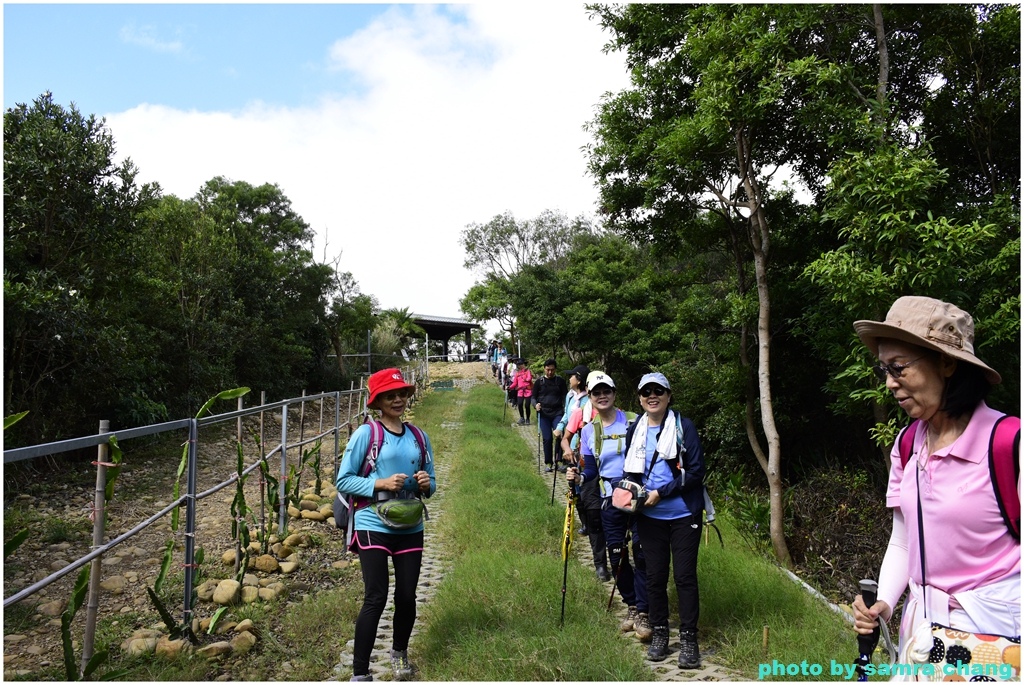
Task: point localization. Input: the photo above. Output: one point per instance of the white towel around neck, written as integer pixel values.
(636, 459)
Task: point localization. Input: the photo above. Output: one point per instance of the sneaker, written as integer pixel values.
(603, 575)
(400, 664)
(549, 469)
(689, 655)
(627, 623)
(659, 644)
(642, 626)
(365, 678)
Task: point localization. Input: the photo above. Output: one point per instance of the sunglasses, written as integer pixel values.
(601, 392)
(395, 394)
(656, 390)
(894, 370)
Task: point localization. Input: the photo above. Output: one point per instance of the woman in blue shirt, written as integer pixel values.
(400, 455)
(664, 453)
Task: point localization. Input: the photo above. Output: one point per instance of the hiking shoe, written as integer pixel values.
(689, 655)
(642, 626)
(365, 678)
(603, 575)
(627, 623)
(549, 469)
(659, 644)
(400, 664)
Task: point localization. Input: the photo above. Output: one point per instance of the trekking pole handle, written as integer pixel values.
(866, 643)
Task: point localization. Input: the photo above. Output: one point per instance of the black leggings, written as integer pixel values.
(373, 558)
(524, 405)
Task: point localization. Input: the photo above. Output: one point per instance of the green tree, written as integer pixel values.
(69, 263)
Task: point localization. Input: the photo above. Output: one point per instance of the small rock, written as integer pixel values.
(266, 563)
(310, 498)
(297, 540)
(289, 566)
(142, 645)
(308, 505)
(14, 639)
(228, 557)
(227, 592)
(250, 594)
(242, 643)
(340, 564)
(171, 649)
(266, 594)
(293, 512)
(225, 627)
(34, 650)
(217, 649)
(250, 579)
(246, 626)
(114, 584)
(111, 561)
(313, 516)
(54, 608)
(206, 589)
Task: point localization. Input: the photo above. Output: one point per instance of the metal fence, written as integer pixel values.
(354, 399)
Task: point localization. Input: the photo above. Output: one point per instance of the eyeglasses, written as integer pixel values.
(894, 370)
(656, 390)
(601, 392)
(395, 394)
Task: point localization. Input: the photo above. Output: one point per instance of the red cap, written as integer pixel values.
(385, 381)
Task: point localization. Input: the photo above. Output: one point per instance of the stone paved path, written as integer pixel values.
(434, 566)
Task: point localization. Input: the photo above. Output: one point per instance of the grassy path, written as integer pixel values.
(495, 616)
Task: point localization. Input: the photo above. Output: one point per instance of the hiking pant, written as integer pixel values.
(677, 540)
(524, 406)
(632, 581)
(406, 552)
(546, 425)
(590, 513)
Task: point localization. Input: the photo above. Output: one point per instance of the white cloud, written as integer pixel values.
(145, 37)
(456, 121)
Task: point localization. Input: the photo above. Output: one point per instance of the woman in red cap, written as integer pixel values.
(404, 469)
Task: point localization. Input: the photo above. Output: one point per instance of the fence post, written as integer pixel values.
(190, 518)
(337, 433)
(302, 421)
(263, 455)
(95, 566)
(283, 488)
(238, 436)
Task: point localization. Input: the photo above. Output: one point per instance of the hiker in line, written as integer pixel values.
(970, 559)
(502, 355)
(494, 356)
(395, 473)
(511, 369)
(664, 454)
(522, 384)
(549, 400)
(602, 442)
(577, 402)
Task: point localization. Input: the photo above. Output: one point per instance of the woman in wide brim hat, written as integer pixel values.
(959, 558)
(404, 469)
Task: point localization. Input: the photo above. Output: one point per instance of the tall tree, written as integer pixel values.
(69, 244)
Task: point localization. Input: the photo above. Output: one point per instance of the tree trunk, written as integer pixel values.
(760, 242)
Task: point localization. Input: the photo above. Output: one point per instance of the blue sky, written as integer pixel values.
(389, 127)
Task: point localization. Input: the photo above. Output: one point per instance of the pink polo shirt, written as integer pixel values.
(966, 541)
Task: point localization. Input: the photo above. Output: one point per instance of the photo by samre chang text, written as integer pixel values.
(779, 670)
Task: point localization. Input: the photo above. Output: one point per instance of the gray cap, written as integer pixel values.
(655, 378)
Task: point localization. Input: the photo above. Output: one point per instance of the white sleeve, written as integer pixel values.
(895, 572)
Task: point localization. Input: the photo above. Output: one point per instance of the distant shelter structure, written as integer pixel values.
(444, 329)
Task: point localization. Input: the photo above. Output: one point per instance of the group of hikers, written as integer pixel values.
(639, 482)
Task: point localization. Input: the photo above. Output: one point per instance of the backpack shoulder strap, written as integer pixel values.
(373, 448)
(905, 441)
(1004, 468)
(421, 440)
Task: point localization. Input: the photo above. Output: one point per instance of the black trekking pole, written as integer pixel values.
(554, 472)
(866, 643)
(570, 505)
(618, 567)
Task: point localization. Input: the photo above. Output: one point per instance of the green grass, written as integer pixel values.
(495, 616)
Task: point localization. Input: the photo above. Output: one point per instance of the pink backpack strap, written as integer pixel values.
(421, 440)
(906, 442)
(1004, 468)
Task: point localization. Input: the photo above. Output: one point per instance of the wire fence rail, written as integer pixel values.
(354, 400)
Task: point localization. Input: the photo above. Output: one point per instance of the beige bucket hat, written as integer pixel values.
(929, 323)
